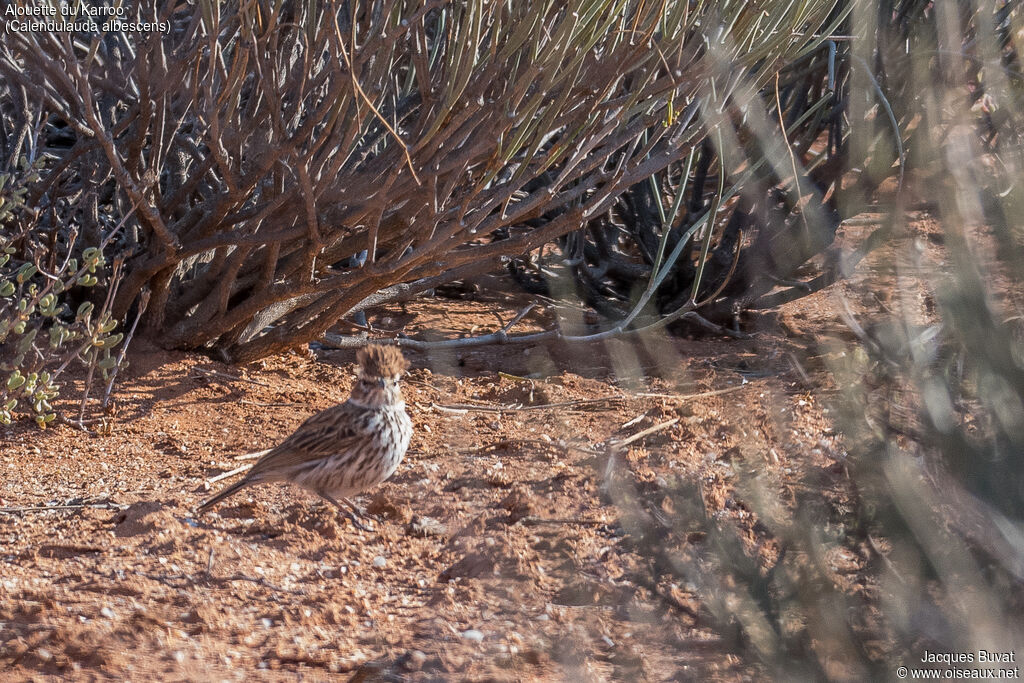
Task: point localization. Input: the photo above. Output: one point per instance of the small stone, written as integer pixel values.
(426, 526)
(379, 562)
(474, 635)
(415, 661)
(44, 654)
(267, 623)
(107, 612)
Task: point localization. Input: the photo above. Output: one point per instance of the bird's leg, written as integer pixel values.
(360, 512)
(354, 514)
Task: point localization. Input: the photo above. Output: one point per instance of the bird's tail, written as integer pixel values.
(224, 493)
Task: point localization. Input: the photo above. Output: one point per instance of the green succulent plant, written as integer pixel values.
(41, 333)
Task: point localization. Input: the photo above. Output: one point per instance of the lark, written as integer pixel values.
(348, 448)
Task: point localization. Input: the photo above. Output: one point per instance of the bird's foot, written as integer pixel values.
(358, 516)
(359, 519)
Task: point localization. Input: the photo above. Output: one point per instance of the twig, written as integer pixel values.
(703, 394)
(536, 521)
(708, 325)
(166, 580)
(143, 303)
(252, 456)
(228, 475)
(259, 582)
(115, 278)
(358, 88)
(189, 579)
(514, 378)
(222, 375)
(792, 156)
(798, 366)
(634, 421)
(897, 135)
(44, 508)
(863, 220)
(553, 444)
(462, 408)
(268, 405)
(522, 314)
(619, 445)
(368, 328)
(453, 411)
(80, 424)
(885, 559)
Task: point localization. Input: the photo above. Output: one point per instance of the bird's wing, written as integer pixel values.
(330, 432)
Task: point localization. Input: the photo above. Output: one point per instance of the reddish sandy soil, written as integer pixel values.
(506, 548)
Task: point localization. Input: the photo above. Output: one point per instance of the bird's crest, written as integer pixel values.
(379, 360)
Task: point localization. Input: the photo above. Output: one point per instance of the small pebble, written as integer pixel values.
(474, 635)
(107, 612)
(426, 526)
(267, 623)
(416, 660)
(379, 562)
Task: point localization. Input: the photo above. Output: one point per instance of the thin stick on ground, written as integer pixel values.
(689, 397)
(228, 475)
(562, 445)
(224, 375)
(619, 445)
(46, 508)
(461, 408)
(189, 579)
(252, 456)
(537, 521)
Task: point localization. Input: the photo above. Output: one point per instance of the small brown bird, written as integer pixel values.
(345, 449)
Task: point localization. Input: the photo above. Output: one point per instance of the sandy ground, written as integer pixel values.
(502, 551)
